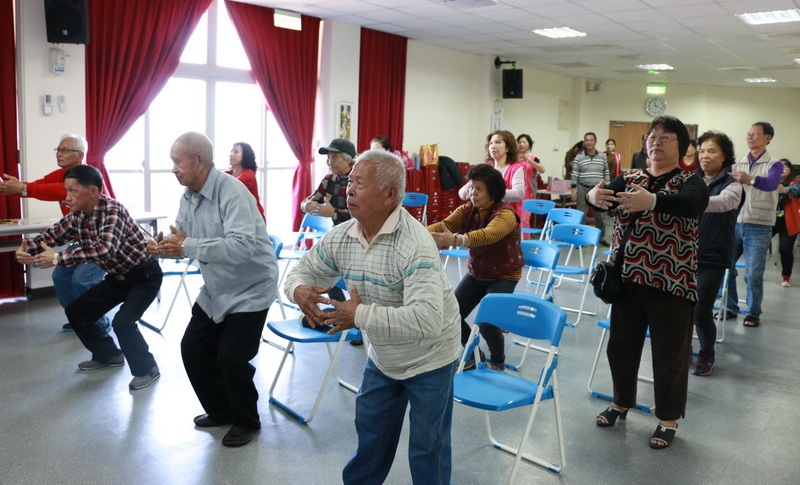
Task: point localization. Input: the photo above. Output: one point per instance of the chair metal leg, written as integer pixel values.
(333, 355)
(606, 397)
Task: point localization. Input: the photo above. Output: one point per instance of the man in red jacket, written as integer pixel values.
(70, 282)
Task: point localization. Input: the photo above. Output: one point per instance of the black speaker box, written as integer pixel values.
(67, 21)
(512, 83)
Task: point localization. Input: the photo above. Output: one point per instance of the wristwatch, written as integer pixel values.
(752, 180)
(55, 260)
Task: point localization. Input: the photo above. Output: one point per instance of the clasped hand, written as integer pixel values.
(169, 247)
(344, 315)
(42, 260)
(637, 200)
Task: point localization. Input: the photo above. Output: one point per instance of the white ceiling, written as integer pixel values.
(701, 39)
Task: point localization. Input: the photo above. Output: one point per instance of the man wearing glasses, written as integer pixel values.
(69, 282)
(330, 198)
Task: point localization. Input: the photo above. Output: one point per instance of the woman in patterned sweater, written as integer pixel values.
(490, 229)
(659, 208)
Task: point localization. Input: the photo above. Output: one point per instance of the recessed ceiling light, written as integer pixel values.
(759, 80)
(559, 33)
(655, 67)
(773, 17)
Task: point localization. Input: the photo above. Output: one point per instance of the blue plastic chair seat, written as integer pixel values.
(606, 324)
(455, 253)
(494, 391)
(571, 270)
(293, 331)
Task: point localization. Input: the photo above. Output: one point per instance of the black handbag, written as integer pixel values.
(607, 282)
(607, 277)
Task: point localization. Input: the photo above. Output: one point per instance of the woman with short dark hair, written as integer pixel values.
(490, 229)
(658, 210)
(715, 235)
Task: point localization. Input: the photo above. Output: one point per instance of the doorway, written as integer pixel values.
(628, 135)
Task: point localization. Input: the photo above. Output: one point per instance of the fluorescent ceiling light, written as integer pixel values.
(759, 80)
(655, 67)
(288, 20)
(773, 17)
(656, 89)
(559, 33)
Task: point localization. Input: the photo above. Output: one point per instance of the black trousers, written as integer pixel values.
(136, 290)
(217, 360)
(670, 320)
(469, 293)
(709, 279)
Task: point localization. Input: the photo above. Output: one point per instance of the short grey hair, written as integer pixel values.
(198, 144)
(389, 170)
(80, 142)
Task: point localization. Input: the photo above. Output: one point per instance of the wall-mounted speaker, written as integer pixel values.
(512, 83)
(67, 21)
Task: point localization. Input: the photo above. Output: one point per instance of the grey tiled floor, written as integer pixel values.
(59, 425)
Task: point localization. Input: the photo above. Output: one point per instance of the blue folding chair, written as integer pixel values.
(529, 317)
(542, 257)
(295, 332)
(560, 216)
(415, 199)
(540, 208)
(577, 237)
(312, 228)
(605, 324)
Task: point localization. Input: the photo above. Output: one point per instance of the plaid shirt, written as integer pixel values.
(336, 185)
(109, 237)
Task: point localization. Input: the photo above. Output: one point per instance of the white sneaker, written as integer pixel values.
(786, 283)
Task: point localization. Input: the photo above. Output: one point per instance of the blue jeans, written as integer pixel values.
(752, 240)
(71, 282)
(380, 411)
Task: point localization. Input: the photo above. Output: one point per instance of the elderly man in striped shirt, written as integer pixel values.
(402, 300)
(588, 169)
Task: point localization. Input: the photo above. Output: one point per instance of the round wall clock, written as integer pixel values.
(655, 105)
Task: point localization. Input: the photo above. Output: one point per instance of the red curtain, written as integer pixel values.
(284, 63)
(382, 87)
(11, 283)
(134, 49)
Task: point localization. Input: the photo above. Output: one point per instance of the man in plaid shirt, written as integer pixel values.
(112, 239)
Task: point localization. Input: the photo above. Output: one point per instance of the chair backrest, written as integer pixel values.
(538, 206)
(525, 315)
(565, 216)
(415, 199)
(277, 244)
(540, 254)
(317, 223)
(560, 216)
(576, 235)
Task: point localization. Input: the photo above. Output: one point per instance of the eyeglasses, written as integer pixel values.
(661, 138)
(66, 150)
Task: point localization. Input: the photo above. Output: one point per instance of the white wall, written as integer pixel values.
(39, 134)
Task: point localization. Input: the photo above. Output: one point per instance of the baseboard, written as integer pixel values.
(40, 293)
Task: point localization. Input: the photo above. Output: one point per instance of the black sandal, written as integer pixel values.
(609, 417)
(663, 436)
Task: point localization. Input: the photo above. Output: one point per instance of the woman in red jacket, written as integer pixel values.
(243, 167)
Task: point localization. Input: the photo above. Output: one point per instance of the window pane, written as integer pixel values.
(128, 153)
(239, 109)
(165, 198)
(278, 152)
(279, 198)
(128, 189)
(196, 51)
(230, 52)
(180, 107)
